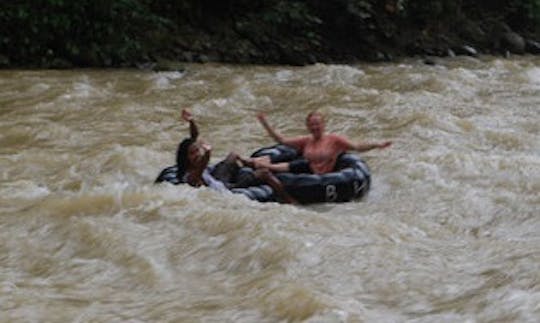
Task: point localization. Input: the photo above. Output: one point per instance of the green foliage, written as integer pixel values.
(423, 13)
(85, 32)
(115, 32)
(360, 8)
(281, 26)
(528, 9)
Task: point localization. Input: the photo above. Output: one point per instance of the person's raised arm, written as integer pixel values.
(193, 129)
(296, 142)
(275, 135)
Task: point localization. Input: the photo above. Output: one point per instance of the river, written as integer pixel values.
(449, 232)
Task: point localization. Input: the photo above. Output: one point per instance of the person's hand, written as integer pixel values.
(384, 144)
(186, 115)
(203, 149)
(246, 162)
(205, 145)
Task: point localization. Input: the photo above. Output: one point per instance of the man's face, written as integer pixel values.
(315, 125)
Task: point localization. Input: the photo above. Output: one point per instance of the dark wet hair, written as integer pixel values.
(182, 160)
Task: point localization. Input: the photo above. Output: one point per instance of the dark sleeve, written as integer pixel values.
(193, 130)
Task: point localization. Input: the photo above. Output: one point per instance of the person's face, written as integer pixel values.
(196, 152)
(315, 125)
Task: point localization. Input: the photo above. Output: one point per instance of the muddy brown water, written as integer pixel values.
(450, 231)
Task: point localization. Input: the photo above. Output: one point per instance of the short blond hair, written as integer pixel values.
(313, 114)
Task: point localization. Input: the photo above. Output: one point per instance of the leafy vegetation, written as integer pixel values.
(86, 32)
(124, 32)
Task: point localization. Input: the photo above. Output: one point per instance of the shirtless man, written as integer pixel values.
(319, 149)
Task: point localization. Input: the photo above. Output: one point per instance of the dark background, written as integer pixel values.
(119, 33)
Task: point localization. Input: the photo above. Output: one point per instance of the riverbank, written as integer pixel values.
(200, 46)
(136, 33)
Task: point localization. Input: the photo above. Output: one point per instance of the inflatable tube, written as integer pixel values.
(351, 180)
(261, 193)
(168, 175)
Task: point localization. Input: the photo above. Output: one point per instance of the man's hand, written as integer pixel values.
(384, 144)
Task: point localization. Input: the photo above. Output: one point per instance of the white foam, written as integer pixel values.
(284, 75)
(23, 189)
(533, 75)
(162, 80)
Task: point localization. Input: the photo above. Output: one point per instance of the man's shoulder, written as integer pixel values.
(336, 137)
